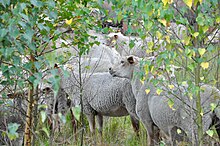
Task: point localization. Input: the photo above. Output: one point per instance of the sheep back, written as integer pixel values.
(110, 96)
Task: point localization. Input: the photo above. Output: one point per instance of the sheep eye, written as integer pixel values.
(122, 62)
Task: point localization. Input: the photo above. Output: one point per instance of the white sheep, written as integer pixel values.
(103, 95)
(121, 43)
(99, 59)
(153, 109)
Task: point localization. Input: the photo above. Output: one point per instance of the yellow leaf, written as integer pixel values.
(184, 83)
(109, 20)
(181, 51)
(193, 53)
(150, 45)
(186, 41)
(171, 86)
(201, 113)
(188, 3)
(205, 65)
(171, 103)
(170, 1)
(69, 66)
(201, 78)
(202, 51)
(158, 91)
(147, 91)
(142, 82)
(218, 19)
(205, 28)
(190, 96)
(179, 131)
(55, 24)
(152, 69)
(195, 34)
(158, 34)
(163, 21)
(68, 22)
(158, 13)
(165, 2)
(200, 1)
(195, 2)
(149, 51)
(146, 69)
(167, 38)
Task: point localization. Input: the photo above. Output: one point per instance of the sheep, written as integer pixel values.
(182, 115)
(122, 42)
(153, 110)
(55, 105)
(103, 95)
(99, 59)
(12, 112)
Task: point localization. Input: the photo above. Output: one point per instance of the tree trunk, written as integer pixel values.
(81, 101)
(198, 105)
(28, 124)
(197, 95)
(29, 114)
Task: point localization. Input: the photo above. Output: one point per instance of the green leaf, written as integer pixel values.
(36, 3)
(43, 116)
(28, 35)
(5, 2)
(213, 106)
(3, 32)
(200, 19)
(51, 3)
(46, 131)
(171, 103)
(210, 133)
(195, 34)
(131, 44)
(62, 117)
(202, 51)
(162, 143)
(210, 48)
(120, 16)
(76, 112)
(12, 128)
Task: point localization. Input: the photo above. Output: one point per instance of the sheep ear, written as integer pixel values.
(131, 59)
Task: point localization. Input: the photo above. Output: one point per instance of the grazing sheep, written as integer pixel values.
(103, 95)
(153, 109)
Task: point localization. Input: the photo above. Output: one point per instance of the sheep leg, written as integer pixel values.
(136, 125)
(153, 134)
(73, 121)
(91, 119)
(100, 123)
(156, 134)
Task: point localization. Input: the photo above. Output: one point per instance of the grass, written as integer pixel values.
(117, 131)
